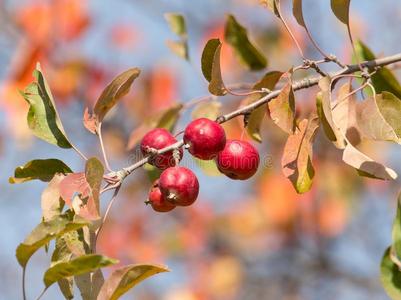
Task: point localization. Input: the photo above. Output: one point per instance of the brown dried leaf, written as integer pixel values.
(282, 109)
(365, 165)
(324, 109)
(297, 156)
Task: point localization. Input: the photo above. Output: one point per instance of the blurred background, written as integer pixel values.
(248, 240)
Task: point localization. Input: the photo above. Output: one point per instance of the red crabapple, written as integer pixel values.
(157, 201)
(205, 138)
(160, 138)
(179, 185)
(238, 160)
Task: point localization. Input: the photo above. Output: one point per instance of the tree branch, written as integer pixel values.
(298, 85)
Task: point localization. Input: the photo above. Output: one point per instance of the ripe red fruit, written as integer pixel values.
(179, 185)
(238, 160)
(160, 138)
(157, 201)
(205, 138)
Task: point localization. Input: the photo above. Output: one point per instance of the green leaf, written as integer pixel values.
(390, 108)
(44, 233)
(323, 103)
(42, 169)
(372, 124)
(282, 109)
(236, 35)
(114, 91)
(211, 67)
(209, 109)
(43, 118)
(384, 79)
(178, 26)
(297, 155)
(207, 166)
(176, 23)
(123, 279)
(152, 172)
(77, 266)
(365, 165)
(51, 201)
(390, 276)
(396, 232)
(168, 118)
(180, 48)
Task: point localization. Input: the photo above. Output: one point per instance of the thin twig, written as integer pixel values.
(79, 152)
(289, 31)
(106, 214)
(231, 88)
(99, 134)
(42, 293)
(231, 92)
(23, 283)
(350, 94)
(110, 187)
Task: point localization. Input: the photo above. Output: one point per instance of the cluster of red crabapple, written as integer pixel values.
(206, 140)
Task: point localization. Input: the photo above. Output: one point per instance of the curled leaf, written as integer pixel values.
(125, 278)
(114, 91)
(365, 165)
(43, 118)
(324, 109)
(297, 156)
(42, 169)
(211, 67)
